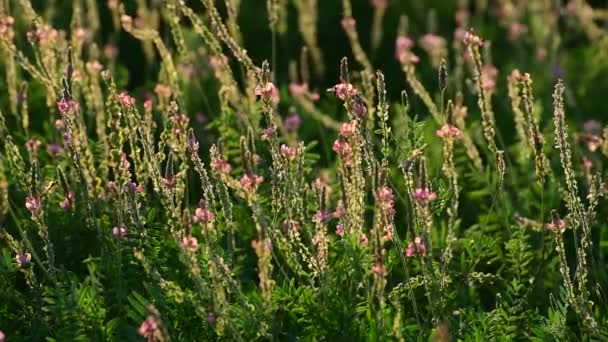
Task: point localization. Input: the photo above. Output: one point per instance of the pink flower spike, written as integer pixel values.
(221, 166)
(2, 336)
(348, 129)
(32, 203)
(416, 247)
(290, 153)
(148, 327)
(189, 243)
(33, 145)
(266, 90)
(251, 182)
(448, 131)
(424, 195)
(344, 90)
(363, 239)
(379, 269)
(202, 215)
(126, 100)
(65, 106)
(119, 233)
(340, 230)
(557, 225)
(68, 202)
(342, 148)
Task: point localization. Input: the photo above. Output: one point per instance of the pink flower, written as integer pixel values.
(322, 216)
(266, 90)
(557, 225)
(124, 162)
(32, 145)
(432, 43)
(2, 336)
(189, 243)
(379, 269)
(363, 239)
(267, 133)
(340, 230)
(470, 38)
(221, 166)
(424, 195)
(68, 202)
(385, 196)
(592, 142)
(127, 22)
(65, 106)
(148, 327)
(349, 23)
(290, 153)
(348, 129)
(251, 182)
(344, 90)
(292, 122)
(388, 233)
(415, 248)
(163, 91)
(340, 210)
(296, 89)
(169, 182)
(342, 148)
(54, 149)
(126, 100)
(448, 131)
(32, 203)
(120, 233)
(60, 124)
(587, 164)
(403, 53)
(22, 259)
(488, 77)
(203, 215)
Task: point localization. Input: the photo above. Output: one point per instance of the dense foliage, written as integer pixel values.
(215, 170)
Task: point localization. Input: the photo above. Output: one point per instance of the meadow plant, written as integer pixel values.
(273, 170)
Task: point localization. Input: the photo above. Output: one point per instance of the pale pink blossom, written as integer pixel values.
(290, 153)
(340, 230)
(348, 129)
(342, 148)
(379, 269)
(557, 225)
(221, 166)
(202, 215)
(448, 131)
(424, 194)
(416, 247)
(68, 202)
(251, 182)
(32, 203)
(148, 327)
(33, 145)
(189, 243)
(344, 90)
(120, 233)
(267, 90)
